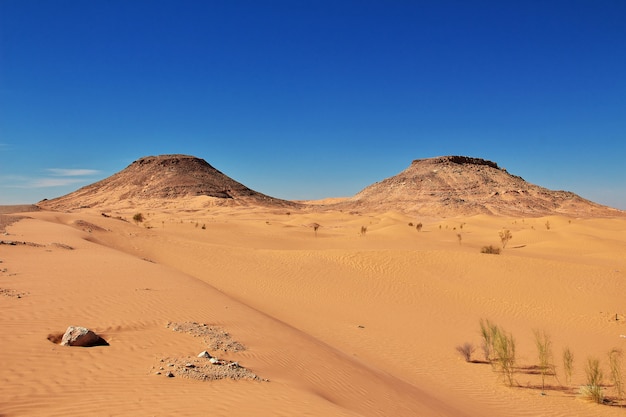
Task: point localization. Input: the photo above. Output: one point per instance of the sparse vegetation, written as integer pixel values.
(315, 226)
(410, 224)
(593, 389)
(363, 230)
(548, 225)
(505, 236)
(499, 349)
(203, 226)
(568, 365)
(615, 365)
(138, 218)
(486, 332)
(419, 227)
(490, 250)
(459, 237)
(544, 354)
(504, 353)
(466, 350)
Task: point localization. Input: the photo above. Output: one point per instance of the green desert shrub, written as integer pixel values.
(568, 365)
(499, 349)
(615, 364)
(544, 354)
(593, 389)
(504, 353)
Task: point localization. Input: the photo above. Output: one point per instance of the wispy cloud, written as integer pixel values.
(64, 172)
(57, 177)
(52, 182)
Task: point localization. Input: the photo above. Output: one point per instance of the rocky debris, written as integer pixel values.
(62, 246)
(16, 243)
(89, 227)
(201, 369)
(214, 337)
(12, 293)
(81, 336)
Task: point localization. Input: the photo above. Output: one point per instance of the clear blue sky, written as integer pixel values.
(312, 99)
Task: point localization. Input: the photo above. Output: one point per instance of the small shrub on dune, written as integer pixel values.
(492, 250)
(544, 354)
(504, 352)
(466, 350)
(138, 218)
(615, 363)
(568, 365)
(499, 349)
(419, 227)
(593, 389)
(505, 236)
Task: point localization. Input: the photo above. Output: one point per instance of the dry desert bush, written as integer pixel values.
(490, 250)
(466, 350)
(505, 236)
(138, 218)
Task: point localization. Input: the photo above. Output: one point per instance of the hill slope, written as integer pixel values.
(460, 185)
(163, 177)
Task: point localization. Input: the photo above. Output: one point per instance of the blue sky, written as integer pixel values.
(312, 99)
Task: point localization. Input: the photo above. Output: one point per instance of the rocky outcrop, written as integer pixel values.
(163, 177)
(461, 186)
(81, 336)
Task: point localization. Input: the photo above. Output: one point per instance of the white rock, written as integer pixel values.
(204, 354)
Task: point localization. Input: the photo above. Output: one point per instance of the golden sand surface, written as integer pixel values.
(360, 317)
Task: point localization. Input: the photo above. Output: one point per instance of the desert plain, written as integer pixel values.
(332, 312)
(337, 322)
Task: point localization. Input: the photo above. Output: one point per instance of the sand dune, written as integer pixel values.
(343, 323)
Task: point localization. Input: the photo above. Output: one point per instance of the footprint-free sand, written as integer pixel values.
(335, 322)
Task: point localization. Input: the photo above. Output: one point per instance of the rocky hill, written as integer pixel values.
(460, 185)
(163, 178)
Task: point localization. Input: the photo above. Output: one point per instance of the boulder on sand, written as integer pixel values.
(81, 336)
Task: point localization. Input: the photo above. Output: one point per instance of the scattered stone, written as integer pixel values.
(215, 337)
(204, 370)
(204, 354)
(169, 374)
(81, 336)
(12, 293)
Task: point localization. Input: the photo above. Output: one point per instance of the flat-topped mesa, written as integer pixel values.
(164, 178)
(455, 159)
(460, 185)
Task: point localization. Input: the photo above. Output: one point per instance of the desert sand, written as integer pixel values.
(335, 322)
